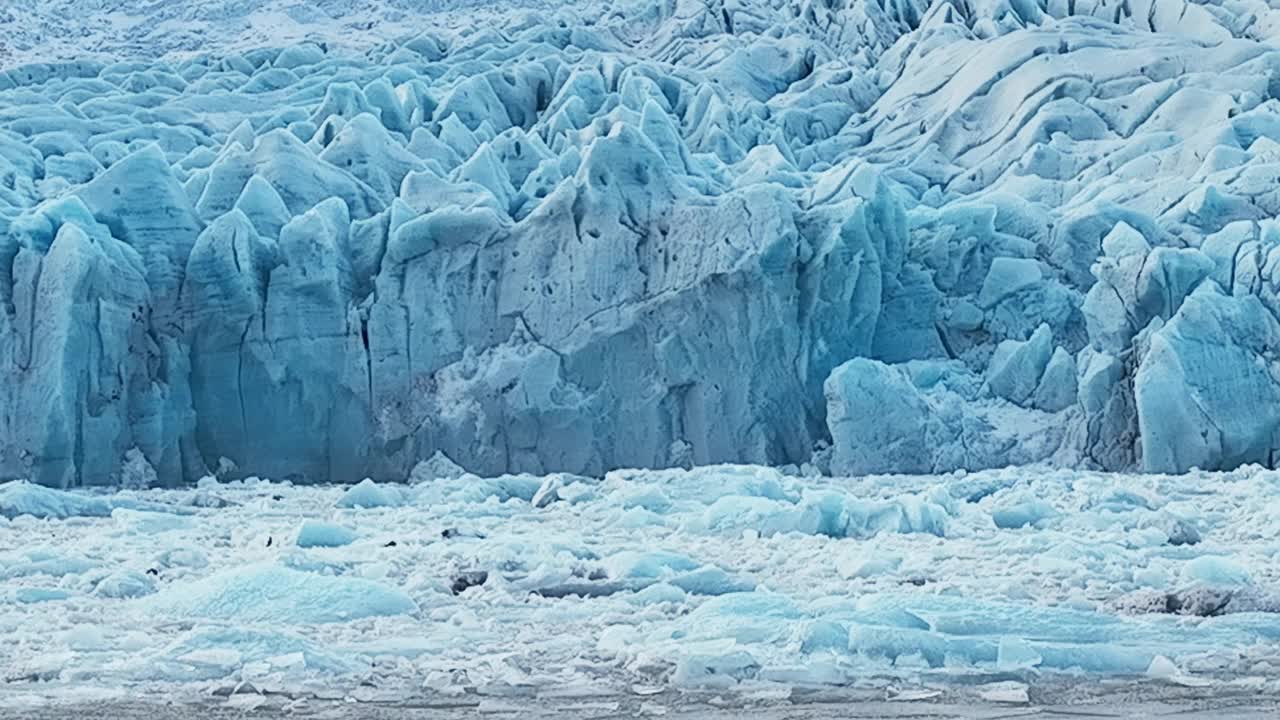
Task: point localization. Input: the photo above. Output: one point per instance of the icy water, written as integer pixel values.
(832, 708)
(739, 581)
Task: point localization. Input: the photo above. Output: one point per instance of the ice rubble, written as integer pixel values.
(730, 577)
(652, 234)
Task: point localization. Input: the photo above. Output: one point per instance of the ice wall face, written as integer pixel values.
(654, 234)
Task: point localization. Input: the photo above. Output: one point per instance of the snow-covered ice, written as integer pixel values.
(739, 578)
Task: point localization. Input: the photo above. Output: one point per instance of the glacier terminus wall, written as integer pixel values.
(870, 235)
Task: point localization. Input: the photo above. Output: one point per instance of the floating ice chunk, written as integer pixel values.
(209, 653)
(638, 518)
(314, 533)
(744, 617)
(572, 586)
(471, 489)
(40, 561)
(563, 487)
(647, 564)
(1162, 668)
(369, 494)
(913, 694)
(712, 669)
(273, 594)
(860, 562)
(658, 593)
(768, 517)
(124, 584)
(149, 523)
(970, 632)
(1178, 531)
(85, 637)
(1012, 693)
(1216, 570)
(1014, 654)
(222, 658)
(1151, 577)
(499, 707)
(647, 498)
(183, 557)
(20, 497)
(919, 647)
(710, 580)
(30, 595)
(204, 499)
(819, 669)
(851, 517)
(1023, 513)
(704, 485)
(824, 635)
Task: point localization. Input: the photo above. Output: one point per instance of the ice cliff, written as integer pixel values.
(878, 236)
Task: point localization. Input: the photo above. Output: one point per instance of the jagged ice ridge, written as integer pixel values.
(874, 237)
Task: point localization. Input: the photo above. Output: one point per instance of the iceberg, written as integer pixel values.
(23, 498)
(315, 534)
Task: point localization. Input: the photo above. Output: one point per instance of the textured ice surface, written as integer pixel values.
(19, 497)
(314, 533)
(548, 237)
(272, 594)
(24, 498)
(729, 578)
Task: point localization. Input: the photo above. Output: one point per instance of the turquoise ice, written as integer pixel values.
(916, 237)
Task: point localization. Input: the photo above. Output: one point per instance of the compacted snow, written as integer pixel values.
(732, 578)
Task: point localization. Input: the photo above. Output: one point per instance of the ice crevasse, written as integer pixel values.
(881, 237)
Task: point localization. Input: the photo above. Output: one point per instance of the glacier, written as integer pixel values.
(909, 237)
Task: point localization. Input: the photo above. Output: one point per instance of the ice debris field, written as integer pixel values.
(729, 578)
(961, 272)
